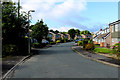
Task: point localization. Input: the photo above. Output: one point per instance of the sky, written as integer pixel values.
(63, 15)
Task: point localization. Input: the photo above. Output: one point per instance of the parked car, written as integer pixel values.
(45, 41)
(78, 40)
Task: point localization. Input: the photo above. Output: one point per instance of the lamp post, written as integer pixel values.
(29, 31)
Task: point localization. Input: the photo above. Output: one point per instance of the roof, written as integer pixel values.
(103, 35)
(116, 22)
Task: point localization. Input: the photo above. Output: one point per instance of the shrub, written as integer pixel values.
(66, 40)
(90, 46)
(58, 41)
(90, 41)
(62, 40)
(116, 49)
(80, 43)
(9, 49)
(36, 45)
(85, 42)
(52, 43)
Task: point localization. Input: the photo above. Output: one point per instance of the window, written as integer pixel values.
(116, 27)
(108, 30)
(119, 26)
(112, 39)
(118, 39)
(112, 28)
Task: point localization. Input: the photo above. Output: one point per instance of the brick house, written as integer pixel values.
(86, 36)
(114, 32)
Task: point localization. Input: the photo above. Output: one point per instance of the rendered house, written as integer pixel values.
(67, 36)
(95, 38)
(52, 36)
(104, 37)
(114, 32)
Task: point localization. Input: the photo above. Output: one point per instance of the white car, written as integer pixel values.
(45, 41)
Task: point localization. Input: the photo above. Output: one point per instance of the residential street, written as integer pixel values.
(60, 61)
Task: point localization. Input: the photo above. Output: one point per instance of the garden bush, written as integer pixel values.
(80, 43)
(52, 43)
(90, 46)
(66, 40)
(58, 41)
(116, 49)
(9, 49)
(90, 41)
(85, 42)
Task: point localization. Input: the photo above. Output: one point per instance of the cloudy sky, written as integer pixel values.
(79, 14)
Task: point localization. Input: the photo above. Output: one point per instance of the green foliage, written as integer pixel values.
(39, 31)
(52, 43)
(90, 41)
(58, 41)
(38, 45)
(85, 32)
(13, 30)
(85, 42)
(66, 40)
(76, 38)
(90, 46)
(80, 43)
(72, 33)
(77, 31)
(9, 49)
(97, 45)
(116, 49)
(56, 32)
(103, 50)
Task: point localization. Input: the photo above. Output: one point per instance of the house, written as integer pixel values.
(96, 35)
(103, 38)
(52, 36)
(67, 36)
(86, 36)
(78, 36)
(114, 32)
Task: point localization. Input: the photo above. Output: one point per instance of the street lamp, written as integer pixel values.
(29, 31)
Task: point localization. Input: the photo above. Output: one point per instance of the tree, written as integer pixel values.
(85, 32)
(39, 31)
(72, 32)
(13, 27)
(52, 31)
(56, 32)
(77, 31)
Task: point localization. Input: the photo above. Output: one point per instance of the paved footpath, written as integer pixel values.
(60, 61)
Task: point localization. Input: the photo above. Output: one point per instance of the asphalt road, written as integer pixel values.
(60, 61)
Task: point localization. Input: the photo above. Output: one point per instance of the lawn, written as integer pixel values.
(103, 50)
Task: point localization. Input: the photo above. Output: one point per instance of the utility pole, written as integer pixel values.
(29, 48)
(18, 8)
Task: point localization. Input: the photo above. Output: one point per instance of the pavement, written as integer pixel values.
(97, 57)
(60, 61)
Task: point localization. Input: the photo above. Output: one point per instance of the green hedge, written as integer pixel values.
(9, 49)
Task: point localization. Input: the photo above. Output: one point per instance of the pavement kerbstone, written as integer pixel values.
(94, 58)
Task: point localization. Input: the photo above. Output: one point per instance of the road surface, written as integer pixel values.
(60, 61)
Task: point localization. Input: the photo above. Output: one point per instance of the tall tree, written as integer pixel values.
(13, 27)
(77, 32)
(56, 31)
(72, 32)
(39, 31)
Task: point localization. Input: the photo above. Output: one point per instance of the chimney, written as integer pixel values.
(101, 29)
